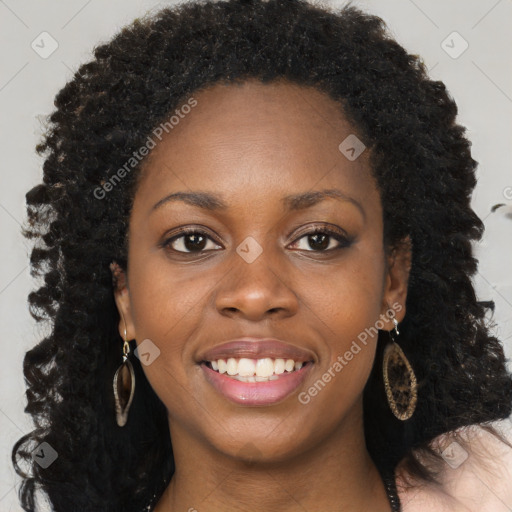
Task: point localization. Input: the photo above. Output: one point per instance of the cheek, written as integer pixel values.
(348, 307)
(163, 300)
(166, 309)
(349, 300)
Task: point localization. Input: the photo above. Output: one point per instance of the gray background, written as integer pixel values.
(479, 79)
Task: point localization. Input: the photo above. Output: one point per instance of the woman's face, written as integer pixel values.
(251, 270)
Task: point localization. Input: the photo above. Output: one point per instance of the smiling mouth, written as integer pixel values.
(255, 370)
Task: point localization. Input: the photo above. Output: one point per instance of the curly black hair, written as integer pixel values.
(420, 159)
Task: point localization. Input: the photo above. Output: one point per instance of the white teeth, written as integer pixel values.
(223, 367)
(255, 379)
(246, 367)
(264, 367)
(279, 366)
(255, 370)
(232, 366)
(244, 379)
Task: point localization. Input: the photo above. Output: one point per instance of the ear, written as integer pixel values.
(396, 282)
(122, 298)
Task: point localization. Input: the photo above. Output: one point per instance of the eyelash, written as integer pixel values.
(338, 236)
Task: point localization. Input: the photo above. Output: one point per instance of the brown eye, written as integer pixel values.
(323, 240)
(189, 241)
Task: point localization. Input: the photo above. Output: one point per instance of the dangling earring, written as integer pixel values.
(402, 392)
(124, 385)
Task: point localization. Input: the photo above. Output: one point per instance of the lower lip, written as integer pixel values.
(256, 393)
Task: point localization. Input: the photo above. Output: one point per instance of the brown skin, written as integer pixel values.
(253, 144)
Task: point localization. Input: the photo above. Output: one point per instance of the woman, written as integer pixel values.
(256, 243)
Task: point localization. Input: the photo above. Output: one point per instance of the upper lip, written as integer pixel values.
(257, 348)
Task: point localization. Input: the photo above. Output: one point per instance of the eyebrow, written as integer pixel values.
(293, 202)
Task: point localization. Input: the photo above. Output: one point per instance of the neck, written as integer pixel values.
(337, 474)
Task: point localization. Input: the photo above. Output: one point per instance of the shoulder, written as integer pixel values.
(425, 498)
(477, 478)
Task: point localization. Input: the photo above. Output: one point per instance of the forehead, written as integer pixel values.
(255, 137)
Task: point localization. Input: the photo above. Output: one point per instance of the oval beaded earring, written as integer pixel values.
(399, 379)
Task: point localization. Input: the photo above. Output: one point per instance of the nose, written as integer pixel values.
(256, 290)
